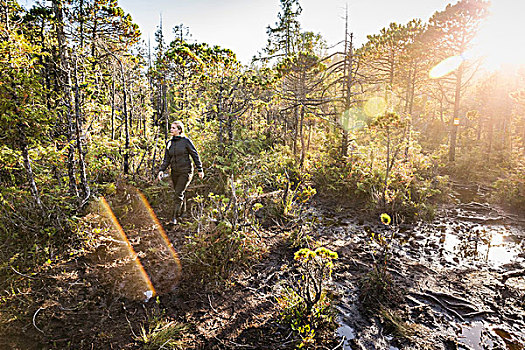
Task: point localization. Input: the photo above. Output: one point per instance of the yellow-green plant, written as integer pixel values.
(162, 335)
(159, 333)
(376, 286)
(316, 269)
(305, 304)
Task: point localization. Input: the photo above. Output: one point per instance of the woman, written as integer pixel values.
(177, 155)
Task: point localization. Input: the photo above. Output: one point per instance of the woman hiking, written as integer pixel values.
(177, 155)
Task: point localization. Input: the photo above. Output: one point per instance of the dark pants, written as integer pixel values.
(180, 183)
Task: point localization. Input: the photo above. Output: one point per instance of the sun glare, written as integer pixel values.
(448, 65)
(375, 106)
(500, 39)
(148, 289)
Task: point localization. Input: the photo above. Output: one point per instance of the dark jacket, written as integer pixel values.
(178, 152)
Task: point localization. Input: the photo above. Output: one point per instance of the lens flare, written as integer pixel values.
(165, 240)
(445, 67)
(149, 289)
(375, 106)
(353, 119)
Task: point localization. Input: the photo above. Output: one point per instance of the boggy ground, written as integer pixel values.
(453, 294)
(460, 279)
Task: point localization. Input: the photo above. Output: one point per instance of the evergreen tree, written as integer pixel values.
(450, 34)
(283, 38)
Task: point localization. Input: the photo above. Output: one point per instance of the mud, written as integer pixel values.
(452, 273)
(460, 284)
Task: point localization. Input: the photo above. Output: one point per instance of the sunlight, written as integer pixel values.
(353, 119)
(161, 232)
(500, 39)
(445, 67)
(375, 106)
(149, 290)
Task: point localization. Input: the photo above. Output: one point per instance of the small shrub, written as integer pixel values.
(377, 287)
(306, 305)
(159, 333)
(511, 189)
(225, 236)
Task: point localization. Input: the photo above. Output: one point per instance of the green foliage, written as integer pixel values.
(32, 235)
(226, 236)
(404, 182)
(159, 333)
(23, 114)
(377, 287)
(306, 305)
(511, 189)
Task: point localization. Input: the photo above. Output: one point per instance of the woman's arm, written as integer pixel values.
(165, 161)
(195, 156)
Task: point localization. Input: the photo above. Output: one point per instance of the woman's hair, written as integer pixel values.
(180, 126)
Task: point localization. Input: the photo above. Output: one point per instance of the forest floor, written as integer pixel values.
(460, 281)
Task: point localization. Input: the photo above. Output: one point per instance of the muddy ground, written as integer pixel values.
(460, 282)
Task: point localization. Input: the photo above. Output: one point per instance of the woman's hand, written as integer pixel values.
(201, 175)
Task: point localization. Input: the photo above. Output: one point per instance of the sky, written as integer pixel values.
(240, 25)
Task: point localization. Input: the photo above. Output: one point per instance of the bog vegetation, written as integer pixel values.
(85, 106)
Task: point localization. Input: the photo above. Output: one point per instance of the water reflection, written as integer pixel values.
(493, 245)
(474, 336)
(345, 331)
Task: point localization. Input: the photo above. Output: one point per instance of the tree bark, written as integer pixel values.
(454, 126)
(64, 75)
(30, 176)
(78, 127)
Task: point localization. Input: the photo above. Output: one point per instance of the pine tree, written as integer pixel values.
(450, 34)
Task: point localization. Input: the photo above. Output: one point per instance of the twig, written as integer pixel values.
(21, 274)
(129, 323)
(34, 318)
(242, 345)
(341, 343)
(217, 312)
(209, 300)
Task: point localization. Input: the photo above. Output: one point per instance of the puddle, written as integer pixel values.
(477, 336)
(509, 339)
(495, 245)
(345, 331)
(474, 336)
(473, 233)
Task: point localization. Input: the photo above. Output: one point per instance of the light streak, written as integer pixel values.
(129, 247)
(445, 67)
(161, 231)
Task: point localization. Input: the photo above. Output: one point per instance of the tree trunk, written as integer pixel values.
(126, 121)
(296, 131)
(387, 170)
(301, 135)
(454, 126)
(78, 126)
(113, 108)
(347, 88)
(65, 79)
(30, 176)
